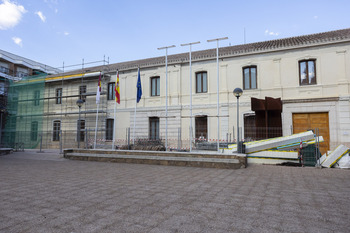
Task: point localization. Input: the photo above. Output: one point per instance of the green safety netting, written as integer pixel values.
(24, 118)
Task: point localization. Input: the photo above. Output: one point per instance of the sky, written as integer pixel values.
(54, 32)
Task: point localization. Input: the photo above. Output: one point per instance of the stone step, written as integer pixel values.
(159, 158)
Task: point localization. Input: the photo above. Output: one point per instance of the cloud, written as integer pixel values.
(41, 16)
(66, 33)
(17, 41)
(267, 32)
(315, 17)
(10, 14)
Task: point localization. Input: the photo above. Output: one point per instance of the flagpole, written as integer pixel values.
(115, 108)
(96, 126)
(166, 93)
(133, 138)
(117, 100)
(190, 44)
(98, 93)
(217, 85)
(138, 97)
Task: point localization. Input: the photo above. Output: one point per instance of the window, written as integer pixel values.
(59, 96)
(201, 82)
(81, 130)
(82, 92)
(249, 77)
(155, 86)
(56, 130)
(109, 129)
(307, 72)
(111, 91)
(34, 131)
(36, 98)
(21, 72)
(153, 128)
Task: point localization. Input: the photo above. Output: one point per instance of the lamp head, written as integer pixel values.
(237, 92)
(80, 102)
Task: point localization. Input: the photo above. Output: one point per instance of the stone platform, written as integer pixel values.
(195, 159)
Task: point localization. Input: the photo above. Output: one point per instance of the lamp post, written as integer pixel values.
(166, 93)
(237, 92)
(217, 84)
(79, 104)
(190, 44)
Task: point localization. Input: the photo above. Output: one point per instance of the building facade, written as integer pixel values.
(309, 75)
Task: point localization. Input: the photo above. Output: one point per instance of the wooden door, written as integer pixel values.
(307, 121)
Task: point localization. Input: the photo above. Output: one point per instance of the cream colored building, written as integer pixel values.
(310, 74)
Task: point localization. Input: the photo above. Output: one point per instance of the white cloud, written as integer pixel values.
(10, 14)
(41, 16)
(66, 33)
(315, 17)
(267, 32)
(17, 41)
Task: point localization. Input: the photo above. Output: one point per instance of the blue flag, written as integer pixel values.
(139, 88)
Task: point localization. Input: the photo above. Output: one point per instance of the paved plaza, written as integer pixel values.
(43, 192)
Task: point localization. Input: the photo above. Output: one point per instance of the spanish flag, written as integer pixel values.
(117, 90)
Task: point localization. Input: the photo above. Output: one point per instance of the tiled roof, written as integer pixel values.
(236, 50)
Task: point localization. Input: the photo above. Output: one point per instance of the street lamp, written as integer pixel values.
(190, 44)
(166, 93)
(217, 84)
(79, 103)
(237, 92)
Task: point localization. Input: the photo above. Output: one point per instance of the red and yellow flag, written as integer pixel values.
(117, 90)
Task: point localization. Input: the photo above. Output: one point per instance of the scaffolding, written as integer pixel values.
(42, 110)
(24, 112)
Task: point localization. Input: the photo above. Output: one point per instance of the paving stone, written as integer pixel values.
(43, 192)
